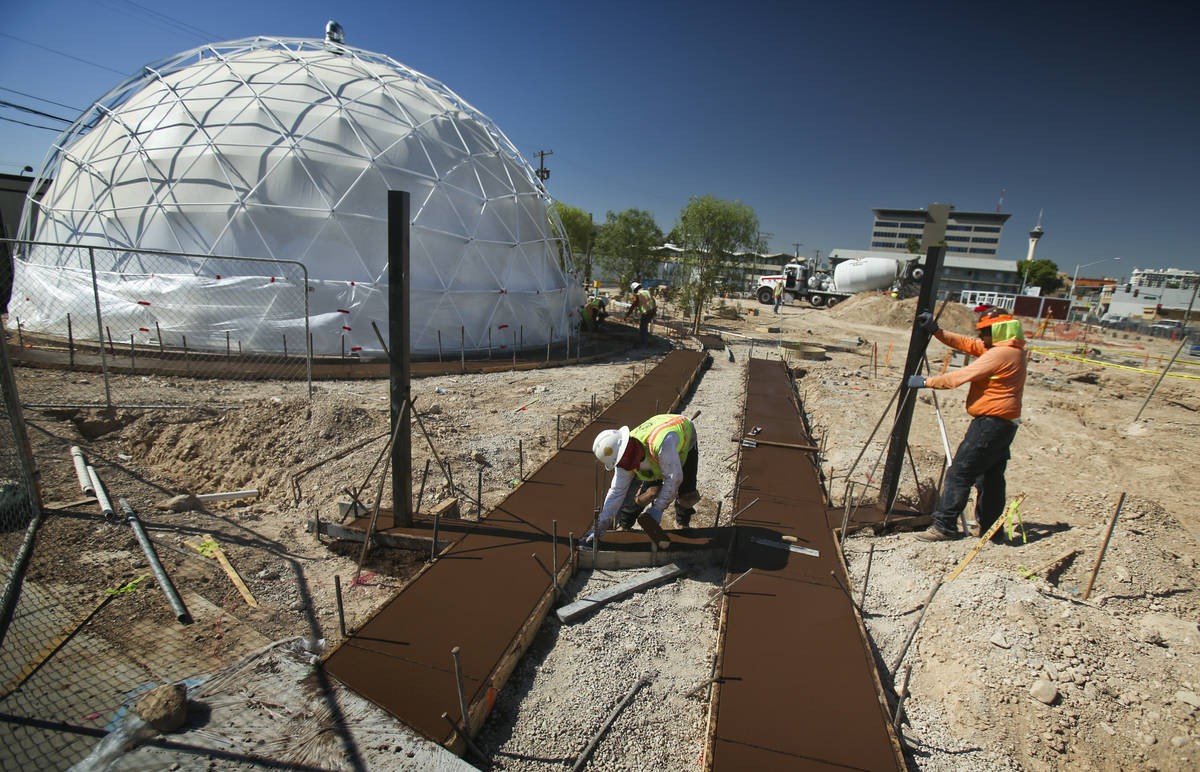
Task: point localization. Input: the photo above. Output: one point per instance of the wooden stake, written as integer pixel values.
(208, 547)
(984, 539)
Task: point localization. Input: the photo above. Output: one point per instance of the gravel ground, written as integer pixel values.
(575, 675)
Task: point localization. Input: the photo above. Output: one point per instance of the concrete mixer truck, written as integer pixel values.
(821, 288)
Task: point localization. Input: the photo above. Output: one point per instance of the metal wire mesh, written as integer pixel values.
(128, 314)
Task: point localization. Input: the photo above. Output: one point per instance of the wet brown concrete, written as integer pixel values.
(486, 589)
(798, 687)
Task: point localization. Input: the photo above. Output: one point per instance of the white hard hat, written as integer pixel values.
(610, 445)
(635, 286)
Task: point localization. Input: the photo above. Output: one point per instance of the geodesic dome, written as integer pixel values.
(285, 149)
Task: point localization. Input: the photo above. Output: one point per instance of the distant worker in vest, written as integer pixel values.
(655, 464)
(997, 381)
(595, 311)
(643, 301)
(778, 291)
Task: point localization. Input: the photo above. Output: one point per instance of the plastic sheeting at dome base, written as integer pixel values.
(285, 149)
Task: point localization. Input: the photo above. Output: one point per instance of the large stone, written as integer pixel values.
(1044, 691)
(1190, 698)
(184, 502)
(1170, 630)
(164, 707)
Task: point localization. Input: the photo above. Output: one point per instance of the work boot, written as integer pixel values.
(933, 533)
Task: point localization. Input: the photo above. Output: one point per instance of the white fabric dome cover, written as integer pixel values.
(285, 149)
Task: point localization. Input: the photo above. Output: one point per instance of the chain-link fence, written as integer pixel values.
(127, 314)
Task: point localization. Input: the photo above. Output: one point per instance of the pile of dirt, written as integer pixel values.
(886, 311)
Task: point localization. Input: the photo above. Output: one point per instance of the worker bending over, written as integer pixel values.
(595, 310)
(661, 455)
(997, 380)
(643, 301)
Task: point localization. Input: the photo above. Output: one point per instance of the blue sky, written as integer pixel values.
(813, 114)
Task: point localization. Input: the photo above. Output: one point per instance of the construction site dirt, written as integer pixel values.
(1119, 668)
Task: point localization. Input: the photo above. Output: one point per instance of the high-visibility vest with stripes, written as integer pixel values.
(651, 434)
(648, 304)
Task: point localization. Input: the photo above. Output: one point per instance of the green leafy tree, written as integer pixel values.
(913, 245)
(709, 231)
(581, 233)
(623, 245)
(1040, 273)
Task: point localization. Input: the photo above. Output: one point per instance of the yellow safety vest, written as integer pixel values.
(651, 434)
(648, 305)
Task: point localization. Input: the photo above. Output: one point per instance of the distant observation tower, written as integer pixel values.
(1034, 235)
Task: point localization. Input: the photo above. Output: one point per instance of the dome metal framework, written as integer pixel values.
(285, 149)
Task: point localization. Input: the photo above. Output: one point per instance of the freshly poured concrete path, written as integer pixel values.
(797, 683)
(486, 594)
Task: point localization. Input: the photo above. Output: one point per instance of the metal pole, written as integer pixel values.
(160, 574)
(400, 391)
(479, 494)
(521, 460)
(99, 326)
(462, 348)
(187, 364)
(70, 342)
(439, 346)
(918, 341)
(308, 352)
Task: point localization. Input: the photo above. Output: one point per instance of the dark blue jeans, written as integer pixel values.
(980, 461)
(644, 326)
(627, 515)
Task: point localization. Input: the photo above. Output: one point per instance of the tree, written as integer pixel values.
(912, 245)
(623, 245)
(581, 233)
(1040, 273)
(710, 230)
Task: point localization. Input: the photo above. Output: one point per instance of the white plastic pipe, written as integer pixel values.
(247, 494)
(106, 507)
(85, 480)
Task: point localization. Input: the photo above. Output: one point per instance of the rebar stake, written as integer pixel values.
(862, 603)
(337, 588)
(466, 738)
(849, 597)
(462, 699)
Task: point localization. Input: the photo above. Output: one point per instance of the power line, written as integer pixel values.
(158, 20)
(22, 108)
(34, 125)
(60, 53)
(178, 23)
(40, 99)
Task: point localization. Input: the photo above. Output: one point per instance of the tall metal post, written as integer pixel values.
(918, 340)
(399, 219)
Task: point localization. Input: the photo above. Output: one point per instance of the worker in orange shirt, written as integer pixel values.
(997, 380)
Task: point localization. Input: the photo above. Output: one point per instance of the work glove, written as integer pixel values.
(585, 543)
(656, 513)
(927, 322)
(916, 381)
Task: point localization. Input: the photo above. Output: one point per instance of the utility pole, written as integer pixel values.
(797, 245)
(542, 172)
(817, 259)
